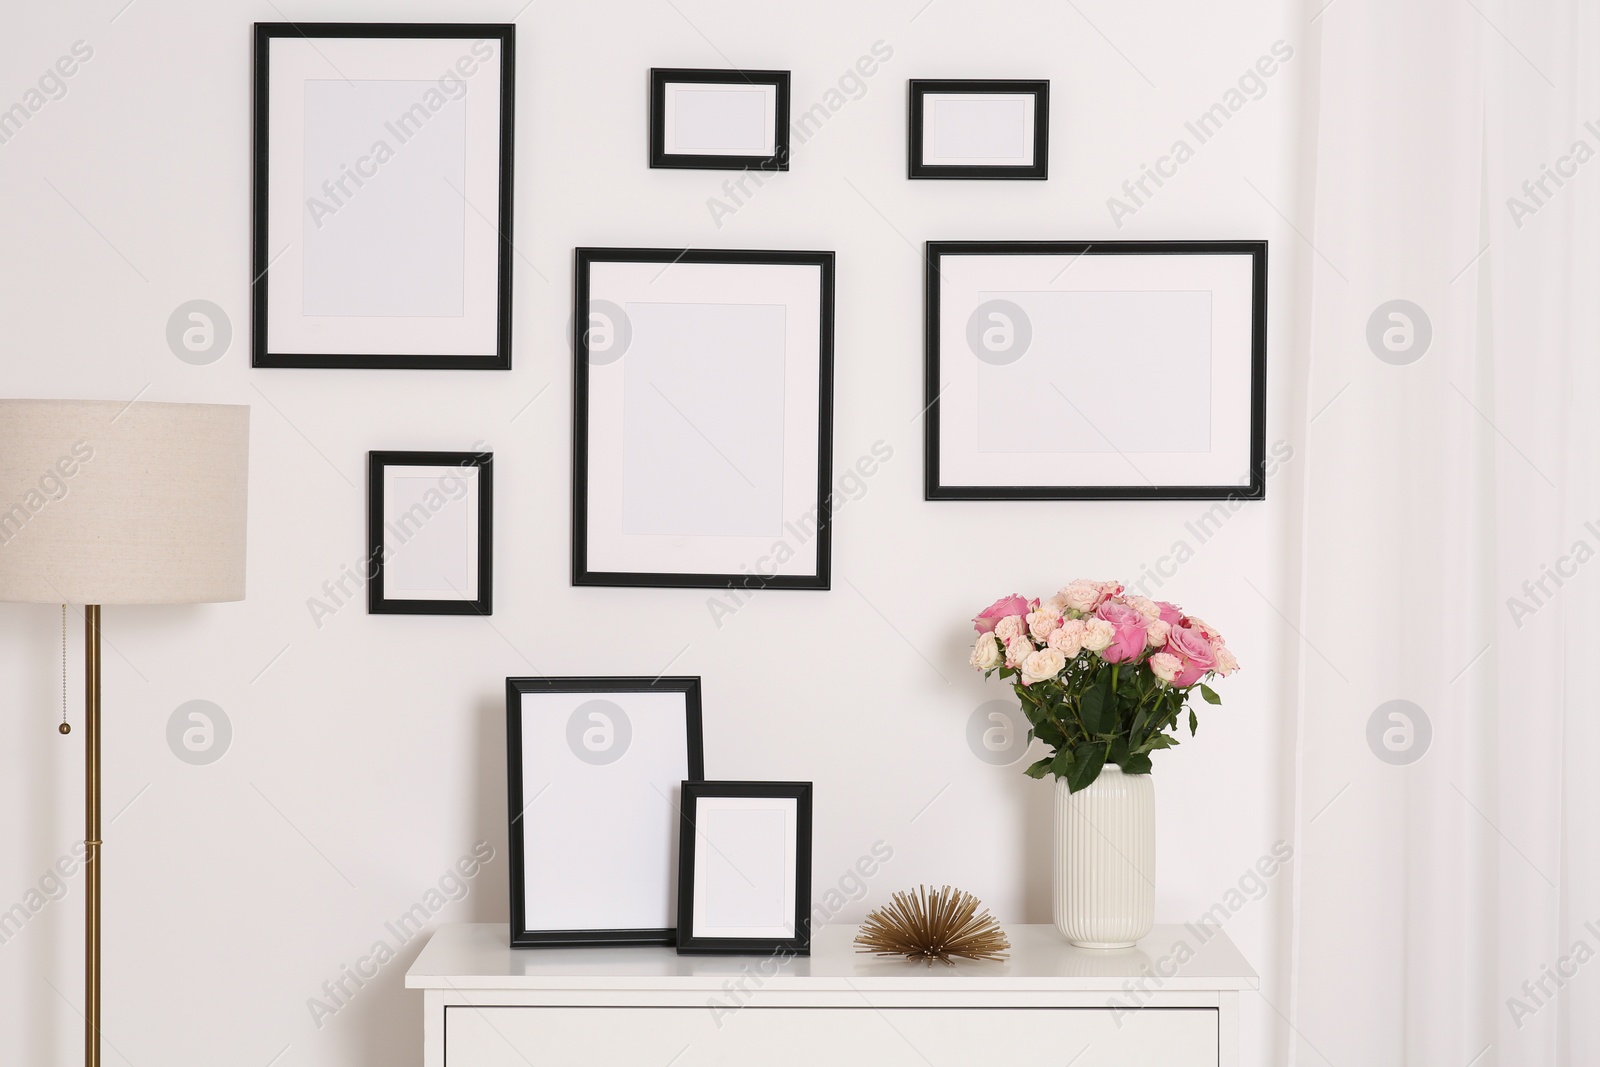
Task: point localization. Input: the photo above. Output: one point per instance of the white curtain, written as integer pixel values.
(1446, 910)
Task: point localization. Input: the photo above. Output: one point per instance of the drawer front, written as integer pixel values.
(832, 1037)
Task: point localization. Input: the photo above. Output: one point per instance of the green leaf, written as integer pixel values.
(1062, 764)
(1194, 723)
(1119, 751)
(1086, 767)
(1098, 710)
(1209, 694)
(1050, 734)
(1039, 769)
(1137, 765)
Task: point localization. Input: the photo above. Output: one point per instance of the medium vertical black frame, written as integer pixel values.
(800, 944)
(517, 805)
(1255, 489)
(377, 602)
(1039, 89)
(261, 255)
(581, 574)
(661, 158)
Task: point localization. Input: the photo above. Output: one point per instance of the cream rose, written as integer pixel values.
(1155, 633)
(1018, 649)
(986, 654)
(1165, 665)
(1098, 635)
(1043, 665)
(1043, 622)
(1068, 638)
(1009, 629)
(1227, 663)
(1057, 604)
(1145, 606)
(1081, 596)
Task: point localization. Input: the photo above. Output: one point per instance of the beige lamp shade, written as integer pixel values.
(106, 502)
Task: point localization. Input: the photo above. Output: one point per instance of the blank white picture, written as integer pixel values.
(1069, 392)
(431, 534)
(978, 129)
(703, 427)
(744, 866)
(720, 120)
(383, 222)
(602, 852)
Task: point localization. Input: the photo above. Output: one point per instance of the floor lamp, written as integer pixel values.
(110, 502)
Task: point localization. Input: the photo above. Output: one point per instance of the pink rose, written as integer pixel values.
(1082, 596)
(1227, 663)
(1127, 626)
(1067, 639)
(1155, 632)
(1165, 665)
(1042, 622)
(1010, 628)
(986, 619)
(1171, 614)
(1192, 648)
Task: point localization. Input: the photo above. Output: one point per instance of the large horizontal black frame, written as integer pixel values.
(1256, 489)
(800, 944)
(1038, 170)
(517, 805)
(660, 157)
(581, 574)
(261, 255)
(377, 602)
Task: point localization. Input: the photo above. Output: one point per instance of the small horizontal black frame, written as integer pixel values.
(660, 157)
(1039, 170)
(800, 944)
(261, 256)
(517, 805)
(1255, 489)
(377, 602)
(581, 574)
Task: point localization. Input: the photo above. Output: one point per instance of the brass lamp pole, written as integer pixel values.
(91, 748)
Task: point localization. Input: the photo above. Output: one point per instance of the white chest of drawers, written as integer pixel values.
(1171, 1002)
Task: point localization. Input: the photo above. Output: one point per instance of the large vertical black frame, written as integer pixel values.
(261, 256)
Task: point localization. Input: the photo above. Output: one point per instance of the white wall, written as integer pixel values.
(368, 753)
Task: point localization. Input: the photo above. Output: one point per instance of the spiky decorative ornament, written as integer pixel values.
(925, 925)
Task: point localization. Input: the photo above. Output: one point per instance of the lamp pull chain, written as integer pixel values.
(65, 727)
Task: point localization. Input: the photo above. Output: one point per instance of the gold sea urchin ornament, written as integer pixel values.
(926, 925)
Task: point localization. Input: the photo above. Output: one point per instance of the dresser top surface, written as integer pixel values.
(464, 956)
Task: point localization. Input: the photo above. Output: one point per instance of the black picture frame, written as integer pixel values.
(519, 805)
(262, 255)
(920, 88)
(582, 574)
(800, 943)
(660, 77)
(378, 602)
(938, 251)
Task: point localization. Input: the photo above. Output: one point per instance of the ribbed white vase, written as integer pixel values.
(1105, 892)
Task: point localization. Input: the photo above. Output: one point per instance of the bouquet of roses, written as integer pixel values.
(1102, 677)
